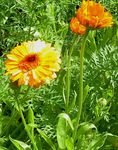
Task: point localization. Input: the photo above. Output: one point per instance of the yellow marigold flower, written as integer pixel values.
(94, 15)
(77, 27)
(32, 63)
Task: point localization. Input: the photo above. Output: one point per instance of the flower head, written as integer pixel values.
(77, 27)
(32, 63)
(92, 15)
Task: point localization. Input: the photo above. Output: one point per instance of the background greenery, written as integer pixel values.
(23, 20)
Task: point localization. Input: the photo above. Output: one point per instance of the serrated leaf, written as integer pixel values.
(47, 139)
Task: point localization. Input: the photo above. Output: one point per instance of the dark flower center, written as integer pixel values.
(29, 62)
(31, 58)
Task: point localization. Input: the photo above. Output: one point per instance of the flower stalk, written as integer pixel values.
(80, 100)
(30, 135)
(68, 75)
(26, 127)
(80, 97)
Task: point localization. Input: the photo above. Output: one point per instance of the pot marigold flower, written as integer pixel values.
(32, 63)
(76, 26)
(92, 14)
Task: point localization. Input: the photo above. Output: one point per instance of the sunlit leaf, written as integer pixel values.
(61, 130)
(61, 133)
(97, 143)
(67, 118)
(30, 116)
(69, 143)
(38, 142)
(85, 127)
(19, 144)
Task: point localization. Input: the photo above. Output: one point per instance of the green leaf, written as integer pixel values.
(31, 124)
(73, 101)
(30, 116)
(61, 133)
(92, 41)
(113, 139)
(47, 139)
(85, 127)
(38, 142)
(86, 90)
(70, 143)
(97, 143)
(3, 140)
(67, 118)
(3, 148)
(19, 144)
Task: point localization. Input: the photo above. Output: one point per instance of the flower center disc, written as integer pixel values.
(31, 58)
(29, 62)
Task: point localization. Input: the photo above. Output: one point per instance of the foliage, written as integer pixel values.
(44, 108)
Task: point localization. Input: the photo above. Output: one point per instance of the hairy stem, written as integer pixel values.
(80, 97)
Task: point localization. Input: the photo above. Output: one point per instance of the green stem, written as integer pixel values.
(80, 98)
(68, 75)
(26, 127)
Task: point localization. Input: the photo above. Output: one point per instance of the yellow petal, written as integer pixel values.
(16, 77)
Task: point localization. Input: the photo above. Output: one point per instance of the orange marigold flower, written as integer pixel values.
(77, 27)
(94, 15)
(32, 63)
